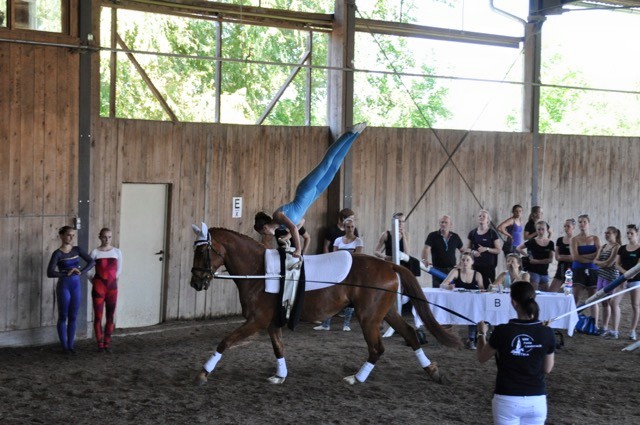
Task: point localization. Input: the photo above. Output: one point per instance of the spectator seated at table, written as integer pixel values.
(464, 277)
(513, 273)
(467, 278)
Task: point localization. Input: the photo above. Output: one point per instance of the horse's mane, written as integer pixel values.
(233, 232)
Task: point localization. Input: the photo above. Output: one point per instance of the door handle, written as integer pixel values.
(159, 252)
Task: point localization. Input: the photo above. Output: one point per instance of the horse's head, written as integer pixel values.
(206, 260)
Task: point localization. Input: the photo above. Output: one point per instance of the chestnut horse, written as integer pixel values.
(370, 287)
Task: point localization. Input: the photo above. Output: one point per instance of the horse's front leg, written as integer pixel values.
(247, 329)
(275, 333)
(371, 332)
(370, 318)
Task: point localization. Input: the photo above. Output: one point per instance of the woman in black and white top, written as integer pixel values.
(524, 351)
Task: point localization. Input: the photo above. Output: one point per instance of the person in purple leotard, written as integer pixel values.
(291, 215)
(512, 230)
(65, 265)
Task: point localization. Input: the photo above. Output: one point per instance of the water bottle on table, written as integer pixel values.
(568, 282)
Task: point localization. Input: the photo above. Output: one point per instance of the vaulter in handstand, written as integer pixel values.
(291, 215)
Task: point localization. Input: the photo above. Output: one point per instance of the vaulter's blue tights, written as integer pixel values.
(69, 294)
(311, 187)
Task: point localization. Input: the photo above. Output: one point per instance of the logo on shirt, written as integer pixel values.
(522, 345)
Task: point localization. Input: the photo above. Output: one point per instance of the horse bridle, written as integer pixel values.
(207, 259)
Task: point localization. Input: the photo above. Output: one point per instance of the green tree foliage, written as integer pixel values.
(392, 100)
(258, 61)
(188, 84)
(262, 81)
(577, 111)
(555, 102)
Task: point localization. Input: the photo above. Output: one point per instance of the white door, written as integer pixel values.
(142, 242)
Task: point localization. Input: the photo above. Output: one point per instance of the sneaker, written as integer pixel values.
(359, 128)
(470, 344)
(321, 328)
(612, 335)
(346, 328)
(605, 332)
(633, 336)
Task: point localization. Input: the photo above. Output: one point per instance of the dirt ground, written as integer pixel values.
(148, 379)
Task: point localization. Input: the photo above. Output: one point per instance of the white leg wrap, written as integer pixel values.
(212, 362)
(364, 372)
(281, 369)
(422, 358)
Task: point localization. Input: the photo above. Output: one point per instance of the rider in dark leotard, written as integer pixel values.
(66, 260)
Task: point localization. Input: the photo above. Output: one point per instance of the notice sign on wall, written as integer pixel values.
(236, 209)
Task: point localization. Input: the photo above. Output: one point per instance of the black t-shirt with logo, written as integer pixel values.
(521, 347)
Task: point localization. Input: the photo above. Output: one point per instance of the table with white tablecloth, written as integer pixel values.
(495, 308)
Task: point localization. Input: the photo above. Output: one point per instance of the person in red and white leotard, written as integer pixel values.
(105, 287)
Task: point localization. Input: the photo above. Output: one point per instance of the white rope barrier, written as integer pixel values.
(584, 306)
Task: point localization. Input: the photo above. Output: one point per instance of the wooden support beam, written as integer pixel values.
(340, 101)
(284, 86)
(147, 80)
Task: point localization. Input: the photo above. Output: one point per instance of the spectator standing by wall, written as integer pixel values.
(628, 256)
(563, 254)
(440, 249)
(606, 261)
(512, 230)
(337, 230)
(540, 251)
(483, 243)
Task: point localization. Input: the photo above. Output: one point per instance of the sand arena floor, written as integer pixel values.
(148, 379)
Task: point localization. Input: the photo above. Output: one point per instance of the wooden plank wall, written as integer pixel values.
(577, 174)
(590, 175)
(38, 175)
(393, 168)
(205, 166)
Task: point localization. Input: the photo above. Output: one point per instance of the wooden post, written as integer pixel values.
(85, 13)
(340, 102)
(531, 98)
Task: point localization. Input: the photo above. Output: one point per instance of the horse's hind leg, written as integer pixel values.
(409, 334)
(246, 330)
(403, 328)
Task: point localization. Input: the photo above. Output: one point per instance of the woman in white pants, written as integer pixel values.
(524, 351)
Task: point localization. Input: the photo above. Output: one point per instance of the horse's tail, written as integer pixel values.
(412, 288)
